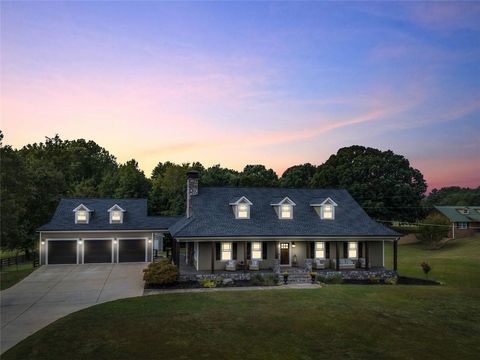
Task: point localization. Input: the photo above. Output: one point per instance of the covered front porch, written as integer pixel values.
(234, 256)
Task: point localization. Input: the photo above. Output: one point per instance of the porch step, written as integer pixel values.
(297, 278)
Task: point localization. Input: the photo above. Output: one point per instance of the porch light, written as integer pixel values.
(149, 241)
(79, 242)
(43, 242)
(293, 244)
(114, 241)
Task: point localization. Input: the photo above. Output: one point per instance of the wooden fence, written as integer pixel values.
(19, 260)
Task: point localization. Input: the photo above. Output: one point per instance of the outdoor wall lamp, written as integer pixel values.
(114, 241)
(43, 242)
(80, 242)
(293, 244)
(149, 241)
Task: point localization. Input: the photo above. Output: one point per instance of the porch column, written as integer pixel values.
(367, 255)
(245, 256)
(337, 257)
(212, 260)
(395, 254)
(177, 254)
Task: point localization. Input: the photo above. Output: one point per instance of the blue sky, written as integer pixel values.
(237, 83)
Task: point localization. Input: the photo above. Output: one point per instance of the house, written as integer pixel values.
(464, 220)
(86, 230)
(230, 228)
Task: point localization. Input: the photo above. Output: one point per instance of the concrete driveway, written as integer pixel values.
(54, 291)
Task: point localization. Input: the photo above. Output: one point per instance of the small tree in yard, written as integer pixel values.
(160, 273)
(426, 268)
(435, 228)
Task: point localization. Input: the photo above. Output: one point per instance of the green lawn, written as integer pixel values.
(335, 322)
(12, 274)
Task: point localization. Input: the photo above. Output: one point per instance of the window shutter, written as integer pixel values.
(217, 251)
(264, 250)
(360, 249)
(312, 250)
(276, 251)
(345, 249)
(234, 251)
(249, 250)
(327, 250)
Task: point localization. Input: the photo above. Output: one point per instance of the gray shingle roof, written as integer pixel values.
(135, 216)
(214, 217)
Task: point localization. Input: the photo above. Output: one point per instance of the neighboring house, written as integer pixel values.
(464, 220)
(228, 228)
(88, 230)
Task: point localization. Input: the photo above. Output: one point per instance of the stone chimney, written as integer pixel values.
(192, 189)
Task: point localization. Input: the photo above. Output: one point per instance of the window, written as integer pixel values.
(116, 216)
(352, 249)
(465, 211)
(327, 211)
(462, 225)
(320, 250)
(81, 217)
(256, 251)
(286, 211)
(243, 211)
(226, 251)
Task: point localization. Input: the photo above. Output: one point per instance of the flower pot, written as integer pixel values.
(285, 279)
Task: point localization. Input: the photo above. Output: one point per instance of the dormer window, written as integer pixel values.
(241, 208)
(116, 214)
(286, 211)
(82, 214)
(325, 209)
(465, 211)
(283, 207)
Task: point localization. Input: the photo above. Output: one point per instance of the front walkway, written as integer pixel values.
(54, 291)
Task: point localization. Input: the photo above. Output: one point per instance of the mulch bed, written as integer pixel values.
(197, 285)
(405, 280)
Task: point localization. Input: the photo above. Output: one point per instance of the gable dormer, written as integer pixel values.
(82, 214)
(284, 208)
(116, 214)
(464, 211)
(241, 208)
(325, 209)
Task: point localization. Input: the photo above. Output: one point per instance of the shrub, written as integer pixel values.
(374, 279)
(208, 283)
(426, 268)
(391, 280)
(330, 279)
(160, 273)
(264, 279)
(435, 229)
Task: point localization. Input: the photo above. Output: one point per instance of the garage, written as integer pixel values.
(131, 250)
(97, 251)
(62, 252)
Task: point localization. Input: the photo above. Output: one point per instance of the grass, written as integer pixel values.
(10, 275)
(338, 321)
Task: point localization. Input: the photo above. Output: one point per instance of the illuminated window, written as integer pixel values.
(284, 246)
(81, 217)
(352, 249)
(286, 211)
(226, 251)
(327, 211)
(243, 211)
(256, 250)
(320, 250)
(116, 216)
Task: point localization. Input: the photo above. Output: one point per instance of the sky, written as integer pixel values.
(236, 83)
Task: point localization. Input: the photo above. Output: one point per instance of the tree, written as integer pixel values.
(384, 183)
(299, 176)
(435, 228)
(218, 176)
(128, 181)
(453, 195)
(257, 175)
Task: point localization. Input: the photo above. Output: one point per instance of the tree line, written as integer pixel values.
(35, 177)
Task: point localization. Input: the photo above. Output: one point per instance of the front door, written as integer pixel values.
(284, 254)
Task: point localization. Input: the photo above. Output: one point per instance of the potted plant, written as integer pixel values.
(313, 276)
(285, 277)
(426, 268)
